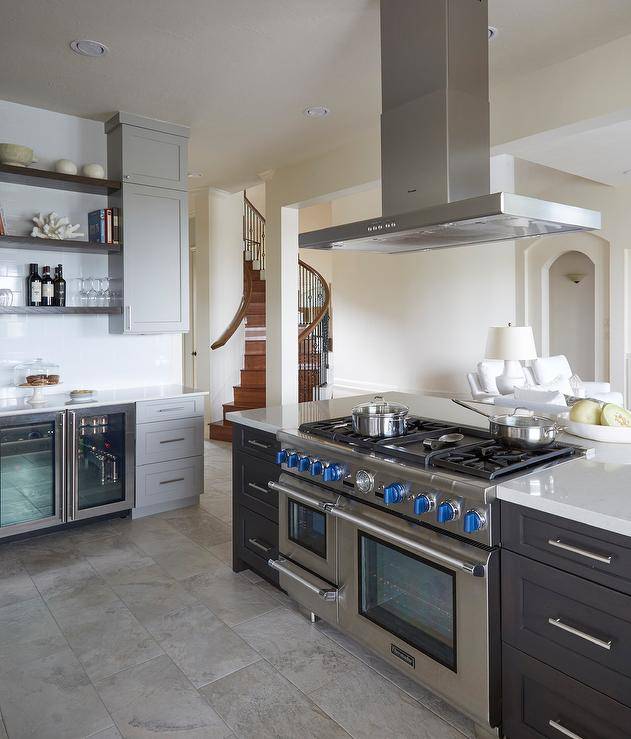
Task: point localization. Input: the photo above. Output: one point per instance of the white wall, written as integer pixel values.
(88, 354)
(572, 314)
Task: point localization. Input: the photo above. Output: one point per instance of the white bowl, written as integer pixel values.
(607, 434)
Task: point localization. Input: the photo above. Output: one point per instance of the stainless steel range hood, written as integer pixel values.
(435, 154)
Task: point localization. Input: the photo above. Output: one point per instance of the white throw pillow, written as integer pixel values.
(537, 395)
(488, 372)
(560, 384)
(547, 369)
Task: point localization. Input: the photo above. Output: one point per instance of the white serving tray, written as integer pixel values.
(606, 434)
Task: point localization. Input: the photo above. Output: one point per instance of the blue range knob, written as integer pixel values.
(422, 504)
(445, 512)
(281, 456)
(473, 521)
(316, 468)
(333, 473)
(303, 464)
(394, 493)
(292, 459)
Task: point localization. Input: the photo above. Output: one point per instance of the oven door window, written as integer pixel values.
(410, 597)
(307, 527)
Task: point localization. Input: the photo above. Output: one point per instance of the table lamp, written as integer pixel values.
(513, 344)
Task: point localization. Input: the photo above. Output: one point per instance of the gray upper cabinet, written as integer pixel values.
(154, 261)
(146, 152)
(151, 272)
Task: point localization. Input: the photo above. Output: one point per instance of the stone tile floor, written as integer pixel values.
(141, 629)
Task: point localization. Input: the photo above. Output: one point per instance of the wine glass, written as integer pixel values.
(84, 290)
(93, 294)
(104, 291)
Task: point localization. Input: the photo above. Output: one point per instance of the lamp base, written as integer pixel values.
(512, 377)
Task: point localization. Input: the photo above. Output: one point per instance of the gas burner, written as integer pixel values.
(341, 429)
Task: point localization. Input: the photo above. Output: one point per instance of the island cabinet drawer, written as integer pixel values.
(256, 442)
(586, 551)
(169, 481)
(538, 701)
(574, 625)
(251, 476)
(257, 539)
(160, 442)
(187, 406)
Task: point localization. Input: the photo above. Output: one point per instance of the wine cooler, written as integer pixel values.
(65, 466)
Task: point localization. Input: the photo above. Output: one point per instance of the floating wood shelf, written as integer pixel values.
(27, 310)
(57, 181)
(31, 243)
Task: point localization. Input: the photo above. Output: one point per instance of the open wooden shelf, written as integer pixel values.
(27, 310)
(57, 181)
(30, 243)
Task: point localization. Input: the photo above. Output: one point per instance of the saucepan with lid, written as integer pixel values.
(380, 418)
(516, 431)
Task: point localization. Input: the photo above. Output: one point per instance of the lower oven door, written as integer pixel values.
(421, 600)
(311, 591)
(307, 533)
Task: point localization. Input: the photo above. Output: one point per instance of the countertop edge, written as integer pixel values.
(238, 418)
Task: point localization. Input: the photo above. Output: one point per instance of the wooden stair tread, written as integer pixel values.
(220, 430)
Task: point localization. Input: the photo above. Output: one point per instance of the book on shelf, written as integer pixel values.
(103, 226)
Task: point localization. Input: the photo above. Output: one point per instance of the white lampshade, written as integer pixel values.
(511, 342)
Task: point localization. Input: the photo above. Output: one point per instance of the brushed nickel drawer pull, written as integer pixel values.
(562, 730)
(260, 546)
(259, 444)
(172, 441)
(259, 488)
(168, 482)
(171, 410)
(582, 552)
(577, 632)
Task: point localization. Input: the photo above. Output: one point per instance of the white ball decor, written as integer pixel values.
(94, 170)
(65, 166)
(54, 227)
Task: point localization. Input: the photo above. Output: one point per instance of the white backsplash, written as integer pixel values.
(88, 355)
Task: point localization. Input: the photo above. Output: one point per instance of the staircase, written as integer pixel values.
(313, 327)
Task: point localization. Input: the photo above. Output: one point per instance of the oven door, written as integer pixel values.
(307, 533)
(420, 599)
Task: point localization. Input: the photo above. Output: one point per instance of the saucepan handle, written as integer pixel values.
(470, 407)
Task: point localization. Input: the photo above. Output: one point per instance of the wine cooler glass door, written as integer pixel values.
(31, 472)
(101, 462)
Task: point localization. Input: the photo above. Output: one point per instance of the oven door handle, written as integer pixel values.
(329, 595)
(470, 568)
(325, 506)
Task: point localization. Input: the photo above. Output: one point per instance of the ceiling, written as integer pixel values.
(240, 72)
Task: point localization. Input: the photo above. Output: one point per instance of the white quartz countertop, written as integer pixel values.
(595, 491)
(17, 406)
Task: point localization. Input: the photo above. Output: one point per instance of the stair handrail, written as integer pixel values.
(326, 303)
(241, 310)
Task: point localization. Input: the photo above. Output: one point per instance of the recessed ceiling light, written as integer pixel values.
(194, 174)
(316, 111)
(492, 32)
(86, 47)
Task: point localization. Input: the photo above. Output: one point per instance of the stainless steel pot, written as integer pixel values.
(380, 418)
(518, 431)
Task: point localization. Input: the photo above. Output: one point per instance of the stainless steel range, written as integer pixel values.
(396, 541)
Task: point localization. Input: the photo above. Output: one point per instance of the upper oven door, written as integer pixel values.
(307, 533)
(420, 599)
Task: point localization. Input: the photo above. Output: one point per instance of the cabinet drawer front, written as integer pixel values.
(167, 481)
(252, 477)
(257, 541)
(154, 158)
(583, 550)
(540, 702)
(572, 624)
(259, 443)
(187, 406)
(166, 440)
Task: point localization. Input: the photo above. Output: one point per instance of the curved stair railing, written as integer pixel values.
(314, 309)
(241, 310)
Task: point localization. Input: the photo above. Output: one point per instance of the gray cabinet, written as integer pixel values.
(151, 272)
(147, 152)
(153, 267)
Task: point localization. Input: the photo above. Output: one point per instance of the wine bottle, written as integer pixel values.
(33, 287)
(47, 287)
(59, 287)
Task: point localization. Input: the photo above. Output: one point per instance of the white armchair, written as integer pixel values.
(482, 382)
(547, 370)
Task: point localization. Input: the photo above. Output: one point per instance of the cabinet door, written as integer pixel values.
(154, 158)
(155, 260)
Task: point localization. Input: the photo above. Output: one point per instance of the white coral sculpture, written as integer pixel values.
(54, 227)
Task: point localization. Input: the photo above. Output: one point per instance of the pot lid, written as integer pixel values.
(379, 406)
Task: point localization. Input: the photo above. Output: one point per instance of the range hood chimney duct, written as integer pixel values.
(435, 150)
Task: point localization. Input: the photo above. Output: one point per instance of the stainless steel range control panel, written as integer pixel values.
(394, 488)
